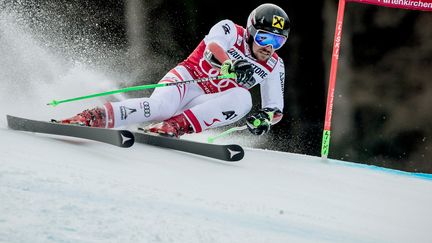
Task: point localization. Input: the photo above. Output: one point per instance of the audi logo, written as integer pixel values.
(146, 107)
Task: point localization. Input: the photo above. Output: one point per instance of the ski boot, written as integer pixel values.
(95, 117)
(175, 126)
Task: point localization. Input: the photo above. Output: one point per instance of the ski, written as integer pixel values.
(125, 138)
(231, 152)
(121, 138)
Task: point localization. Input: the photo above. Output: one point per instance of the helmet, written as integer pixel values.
(270, 18)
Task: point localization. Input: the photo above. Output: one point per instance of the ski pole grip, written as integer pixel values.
(256, 122)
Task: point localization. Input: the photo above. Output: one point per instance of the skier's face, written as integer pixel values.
(262, 53)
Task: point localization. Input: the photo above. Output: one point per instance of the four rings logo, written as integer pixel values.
(146, 108)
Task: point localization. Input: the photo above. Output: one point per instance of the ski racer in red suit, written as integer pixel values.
(194, 107)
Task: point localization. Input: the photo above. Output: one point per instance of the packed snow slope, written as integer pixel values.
(58, 189)
(61, 189)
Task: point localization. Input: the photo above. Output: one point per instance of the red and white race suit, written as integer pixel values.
(207, 104)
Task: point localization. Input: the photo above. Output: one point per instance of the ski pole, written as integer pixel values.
(223, 134)
(140, 87)
(257, 122)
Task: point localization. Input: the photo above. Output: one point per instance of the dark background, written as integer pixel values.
(383, 98)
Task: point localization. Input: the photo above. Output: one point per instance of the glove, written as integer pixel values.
(242, 69)
(260, 122)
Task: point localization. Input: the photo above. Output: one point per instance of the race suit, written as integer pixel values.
(207, 104)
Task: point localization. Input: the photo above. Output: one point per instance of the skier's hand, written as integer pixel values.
(227, 68)
(242, 69)
(260, 122)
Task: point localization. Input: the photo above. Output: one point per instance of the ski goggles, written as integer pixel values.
(264, 38)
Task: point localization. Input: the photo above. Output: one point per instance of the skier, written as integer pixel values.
(228, 48)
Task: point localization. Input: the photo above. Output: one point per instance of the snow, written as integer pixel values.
(62, 189)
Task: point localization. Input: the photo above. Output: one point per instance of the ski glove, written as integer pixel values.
(260, 122)
(242, 69)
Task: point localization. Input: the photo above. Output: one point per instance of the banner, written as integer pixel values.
(424, 5)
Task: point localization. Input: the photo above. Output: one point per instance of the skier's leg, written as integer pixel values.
(219, 109)
(162, 104)
(177, 124)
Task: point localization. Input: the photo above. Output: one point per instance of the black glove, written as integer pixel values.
(242, 69)
(260, 122)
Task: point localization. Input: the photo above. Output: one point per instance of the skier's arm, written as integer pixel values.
(218, 52)
(272, 91)
(221, 38)
(272, 102)
(242, 68)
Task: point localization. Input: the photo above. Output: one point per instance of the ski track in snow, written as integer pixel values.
(57, 189)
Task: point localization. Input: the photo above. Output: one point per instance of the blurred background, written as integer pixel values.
(383, 98)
